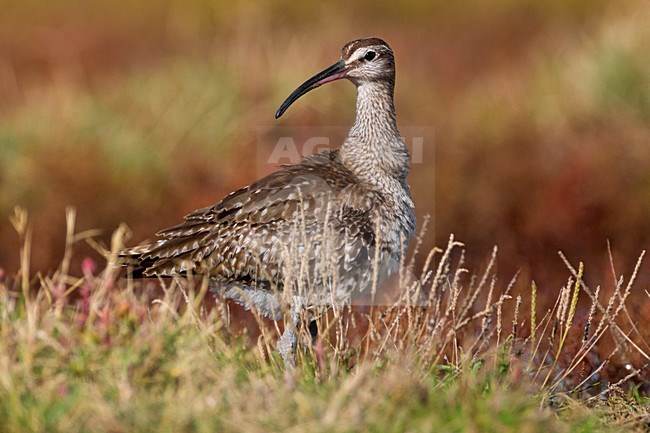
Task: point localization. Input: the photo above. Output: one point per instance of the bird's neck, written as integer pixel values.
(374, 148)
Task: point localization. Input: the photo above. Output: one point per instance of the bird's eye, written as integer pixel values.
(370, 55)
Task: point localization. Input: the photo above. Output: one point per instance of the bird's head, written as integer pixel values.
(362, 60)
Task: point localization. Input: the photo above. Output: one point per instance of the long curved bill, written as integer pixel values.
(334, 72)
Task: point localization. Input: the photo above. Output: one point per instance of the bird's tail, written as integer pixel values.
(132, 258)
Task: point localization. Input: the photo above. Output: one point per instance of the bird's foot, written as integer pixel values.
(287, 348)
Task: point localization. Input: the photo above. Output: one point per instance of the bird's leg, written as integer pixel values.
(289, 339)
(313, 330)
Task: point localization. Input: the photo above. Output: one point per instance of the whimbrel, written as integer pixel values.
(314, 233)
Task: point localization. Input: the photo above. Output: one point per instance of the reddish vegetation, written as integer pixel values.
(505, 171)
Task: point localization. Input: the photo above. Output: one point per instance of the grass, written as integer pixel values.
(144, 111)
(101, 353)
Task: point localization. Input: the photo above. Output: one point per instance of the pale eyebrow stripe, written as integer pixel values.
(358, 53)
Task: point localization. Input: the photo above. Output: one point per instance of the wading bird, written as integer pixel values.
(316, 233)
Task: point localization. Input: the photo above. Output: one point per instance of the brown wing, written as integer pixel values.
(242, 237)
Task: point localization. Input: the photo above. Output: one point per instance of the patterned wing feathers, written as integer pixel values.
(241, 237)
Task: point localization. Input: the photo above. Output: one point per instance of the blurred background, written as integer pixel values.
(537, 112)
